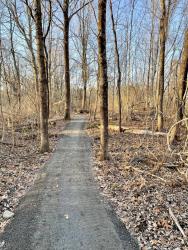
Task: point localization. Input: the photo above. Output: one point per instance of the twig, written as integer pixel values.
(183, 174)
(10, 143)
(177, 223)
(148, 173)
(170, 164)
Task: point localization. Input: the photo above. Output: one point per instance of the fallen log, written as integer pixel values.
(137, 131)
(34, 124)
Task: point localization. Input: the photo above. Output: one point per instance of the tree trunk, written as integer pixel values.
(1, 105)
(97, 97)
(43, 82)
(84, 98)
(103, 82)
(155, 53)
(182, 82)
(148, 92)
(84, 40)
(84, 77)
(129, 48)
(118, 64)
(66, 60)
(160, 86)
(182, 86)
(17, 84)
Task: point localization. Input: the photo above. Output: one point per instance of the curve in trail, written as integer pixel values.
(64, 209)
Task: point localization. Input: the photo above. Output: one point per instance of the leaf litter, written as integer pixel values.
(20, 165)
(142, 184)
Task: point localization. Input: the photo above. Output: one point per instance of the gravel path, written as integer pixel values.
(64, 209)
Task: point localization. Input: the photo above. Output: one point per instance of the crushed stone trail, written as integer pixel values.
(64, 210)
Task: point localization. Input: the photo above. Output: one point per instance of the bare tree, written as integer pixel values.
(1, 105)
(84, 33)
(43, 81)
(128, 56)
(182, 82)
(182, 86)
(66, 24)
(28, 36)
(17, 85)
(66, 59)
(117, 63)
(150, 57)
(103, 81)
(160, 86)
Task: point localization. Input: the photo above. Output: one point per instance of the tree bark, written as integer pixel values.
(29, 41)
(118, 64)
(84, 33)
(182, 86)
(43, 81)
(84, 78)
(84, 73)
(129, 48)
(17, 86)
(103, 82)
(148, 91)
(182, 82)
(160, 86)
(97, 97)
(1, 105)
(66, 60)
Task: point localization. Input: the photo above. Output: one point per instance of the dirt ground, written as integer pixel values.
(143, 182)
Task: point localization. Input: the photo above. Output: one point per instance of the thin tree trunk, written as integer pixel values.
(182, 86)
(43, 81)
(103, 78)
(160, 86)
(1, 105)
(113, 92)
(97, 97)
(89, 104)
(17, 85)
(84, 38)
(84, 78)
(66, 60)
(118, 64)
(129, 46)
(149, 61)
(182, 82)
(154, 71)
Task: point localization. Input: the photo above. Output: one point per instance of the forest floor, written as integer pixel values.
(144, 187)
(64, 210)
(142, 180)
(20, 165)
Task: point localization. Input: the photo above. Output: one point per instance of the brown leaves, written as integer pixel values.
(141, 200)
(164, 223)
(19, 167)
